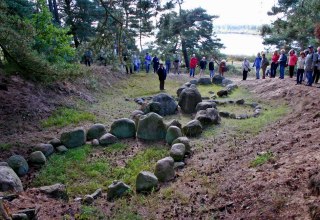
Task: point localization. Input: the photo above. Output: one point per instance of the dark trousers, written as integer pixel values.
(155, 68)
(87, 62)
(245, 74)
(316, 74)
(291, 69)
(273, 69)
(300, 76)
(168, 66)
(161, 84)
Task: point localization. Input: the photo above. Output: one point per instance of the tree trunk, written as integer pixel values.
(55, 12)
(185, 53)
(50, 6)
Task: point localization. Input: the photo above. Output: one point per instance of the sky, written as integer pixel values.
(235, 12)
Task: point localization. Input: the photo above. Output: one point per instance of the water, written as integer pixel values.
(242, 44)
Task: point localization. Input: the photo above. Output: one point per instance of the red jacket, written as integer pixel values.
(193, 62)
(275, 58)
(293, 60)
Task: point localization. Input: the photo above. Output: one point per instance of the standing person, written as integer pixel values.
(274, 64)
(211, 67)
(282, 63)
(193, 65)
(309, 66)
(138, 64)
(292, 62)
(257, 64)
(203, 66)
(245, 68)
(300, 71)
(222, 67)
(147, 62)
(264, 64)
(316, 66)
(162, 75)
(168, 64)
(176, 64)
(88, 57)
(155, 62)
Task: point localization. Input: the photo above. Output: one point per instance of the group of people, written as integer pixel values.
(203, 65)
(307, 65)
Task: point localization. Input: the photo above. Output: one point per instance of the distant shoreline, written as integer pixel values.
(237, 32)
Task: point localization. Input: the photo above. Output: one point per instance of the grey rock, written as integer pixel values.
(204, 81)
(152, 107)
(178, 165)
(208, 117)
(253, 105)
(231, 101)
(211, 92)
(222, 93)
(193, 82)
(108, 139)
(55, 142)
(139, 101)
(74, 138)
(88, 199)
(188, 100)
(193, 86)
(95, 142)
(242, 116)
(116, 190)
(177, 152)
(123, 128)
(151, 127)
(173, 133)
(164, 169)
(58, 191)
(205, 98)
(18, 164)
(179, 90)
(187, 84)
(20, 216)
(231, 87)
(205, 105)
(240, 102)
(167, 103)
(135, 116)
(37, 157)
(226, 82)
(31, 213)
(233, 116)
(185, 141)
(96, 131)
(192, 128)
(146, 182)
(97, 193)
(46, 149)
(9, 181)
(258, 107)
(62, 149)
(173, 122)
(217, 79)
(4, 164)
(224, 114)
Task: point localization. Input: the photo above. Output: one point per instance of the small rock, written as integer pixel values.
(224, 114)
(116, 190)
(193, 82)
(4, 164)
(164, 169)
(205, 105)
(95, 142)
(217, 79)
(233, 116)
(192, 128)
(146, 182)
(37, 157)
(187, 84)
(18, 164)
(242, 116)
(9, 181)
(226, 82)
(185, 141)
(20, 216)
(204, 81)
(222, 93)
(78, 199)
(240, 102)
(96, 131)
(123, 128)
(314, 184)
(108, 139)
(178, 165)
(74, 138)
(208, 117)
(173, 122)
(58, 191)
(46, 149)
(231, 87)
(173, 133)
(62, 149)
(97, 193)
(55, 142)
(177, 152)
(88, 199)
(211, 92)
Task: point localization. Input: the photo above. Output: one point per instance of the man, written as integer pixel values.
(162, 76)
(193, 65)
(309, 66)
(257, 64)
(203, 66)
(176, 64)
(168, 64)
(316, 72)
(88, 57)
(155, 62)
(282, 63)
(147, 62)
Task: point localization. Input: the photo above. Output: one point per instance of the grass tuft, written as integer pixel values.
(261, 159)
(5, 147)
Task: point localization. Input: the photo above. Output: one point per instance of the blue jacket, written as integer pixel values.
(257, 62)
(283, 60)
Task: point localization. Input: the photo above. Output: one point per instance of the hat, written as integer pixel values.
(310, 46)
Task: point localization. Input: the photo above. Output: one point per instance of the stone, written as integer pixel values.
(135, 116)
(167, 103)
(95, 142)
(151, 127)
(226, 82)
(253, 105)
(9, 181)
(187, 84)
(20, 216)
(224, 114)
(146, 182)
(139, 101)
(178, 165)
(97, 193)
(4, 164)
(185, 141)
(211, 92)
(177, 152)
(123, 128)
(173, 122)
(233, 116)
(18, 164)
(62, 149)
(179, 90)
(222, 93)
(205, 98)
(242, 116)
(209, 116)
(55, 142)
(205, 105)
(152, 107)
(204, 81)
(108, 139)
(37, 157)
(217, 79)
(192, 128)
(164, 169)
(231, 87)
(58, 191)
(46, 149)
(173, 133)
(240, 102)
(314, 184)
(188, 100)
(96, 131)
(116, 190)
(88, 199)
(193, 82)
(30, 212)
(193, 86)
(74, 138)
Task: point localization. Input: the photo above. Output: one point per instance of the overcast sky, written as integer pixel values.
(238, 12)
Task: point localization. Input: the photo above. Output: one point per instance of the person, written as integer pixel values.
(292, 62)
(147, 62)
(300, 71)
(282, 63)
(264, 64)
(176, 64)
(193, 65)
(168, 64)
(127, 64)
(245, 68)
(274, 64)
(138, 61)
(211, 67)
(257, 64)
(88, 57)
(203, 66)
(316, 72)
(222, 67)
(162, 75)
(135, 63)
(155, 62)
(309, 66)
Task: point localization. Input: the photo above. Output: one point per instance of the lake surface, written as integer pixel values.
(241, 44)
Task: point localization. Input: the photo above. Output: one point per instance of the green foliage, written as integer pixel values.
(90, 213)
(66, 116)
(4, 147)
(261, 159)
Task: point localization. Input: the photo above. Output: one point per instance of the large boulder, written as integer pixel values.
(180, 89)
(226, 82)
(74, 138)
(173, 122)
(46, 149)
(146, 182)
(108, 139)
(151, 127)
(188, 100)
(204, 81)
(58, 191)
(205, 105)
(38, 158)
(217, 79)
(164, 170)
(185, 141)
(116, 190)
(9, 181)
(222, 93)
(177, 152)
(192, 128)
(152, 107)
(167, 103)
(123, 128)
(208, 116)
(173, 133)
(18, 164)
(96, 131)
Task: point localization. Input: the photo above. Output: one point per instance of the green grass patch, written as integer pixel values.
(5, 147)
(236, 109)
(116, 147)
(67, 116)
(90, 213)
(261, 159)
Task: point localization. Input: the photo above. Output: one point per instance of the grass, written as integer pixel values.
(261, 159)
(67, 116)
(4, 147)
(89, 213)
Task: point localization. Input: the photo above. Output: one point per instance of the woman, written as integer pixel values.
(274, 64)
(300, 71)
(245, 68)
(222, 67)
(292, 62)
(264, 64)
(211, 68)
(282, 63)
(203, 66)
(257, 64)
